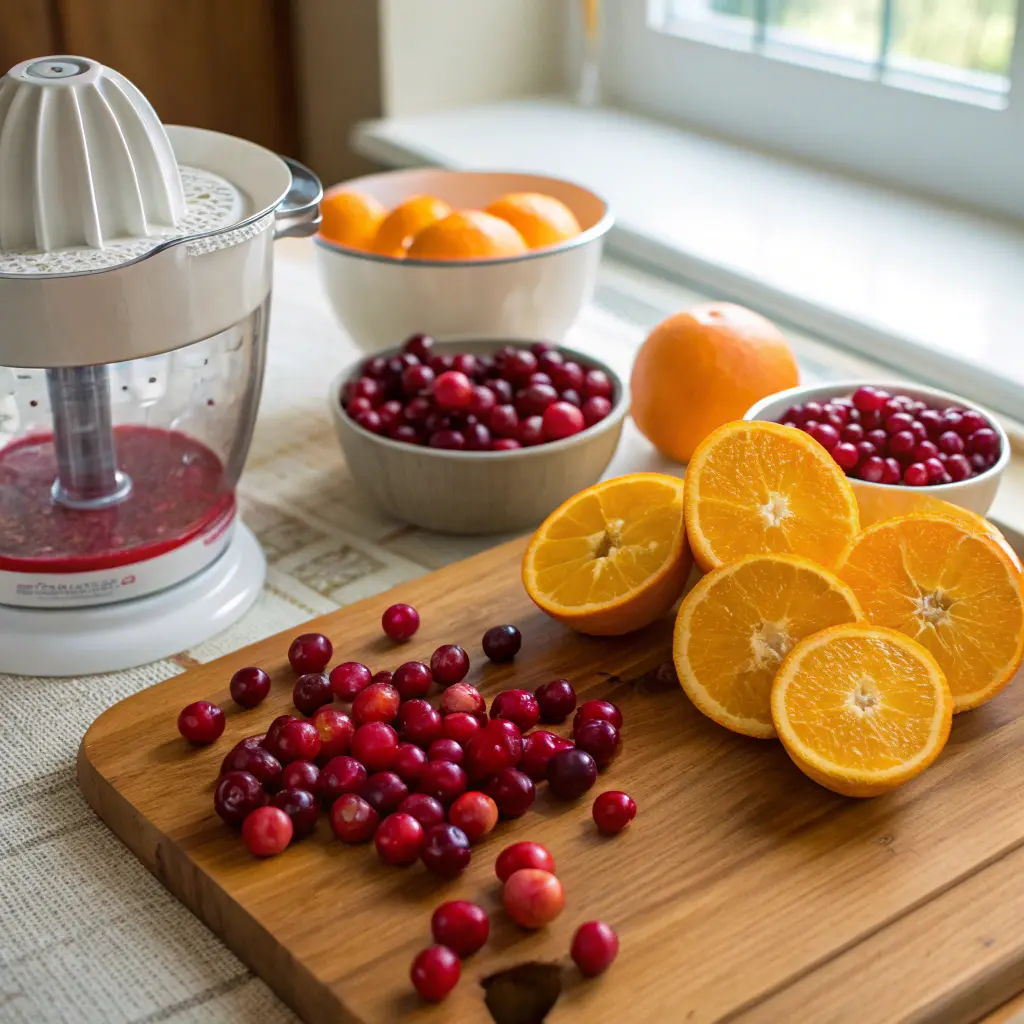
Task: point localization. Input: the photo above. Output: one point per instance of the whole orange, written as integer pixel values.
(541, 220)
(350, 218)
(467, 235)
(405, 222)
(702, 368)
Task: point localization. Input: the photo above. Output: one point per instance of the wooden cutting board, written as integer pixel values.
(742, 892)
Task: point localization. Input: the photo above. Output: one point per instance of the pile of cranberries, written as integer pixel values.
(517, 398)
(896, 439)
(423, 782)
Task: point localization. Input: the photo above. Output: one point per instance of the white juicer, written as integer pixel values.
(135, 280)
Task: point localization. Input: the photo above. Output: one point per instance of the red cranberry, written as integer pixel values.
(493, 748)
(538, 378)
(445, 850)
(571, 773)
(274, 730)
(416, 412)
(512, 790)
(412, 680)
(845, 455)
(383, 676)
(867, 399)
(467, 363)
(898, 422)
(478, 437)
(594, 410)
(531, 432)
(311, 692)
(502, 643)
(406, 434)
(971, 421)
(597, 384)
(379, 702)
(449, 664)
(425, 809)
(400, 621)
(533, 898)
(340, 775)
(249, 687)
(258, 762)
(454, 440)
(518, 365)
(302, 809)
(893, 472)
(519, 706)
(298, 741)
(435, 972)
(902, 442)
(519, 856)
(538, 749)
(336, 731)
(533, 400)
(556, 700)
(462, 697)
(365, 387)
(852, 433)
(872, 419)
(267, 831)
(442, 780)
(409, 763)
(353, 820)
(460, 925)
(310, 652)
(865, 450)
(390, 415)
(958, 467)
(932, 421)
(825, 434)
(984, 441)
(813, 411)
(600, 740)
(569, 375)
(613, 811)
(600, 709)
(482, 402)
(376, 745)
(916, 475)
(872, 470)
(358, 407)
(398, 839)
(453, 391)
(502, 391)
(504, 421)
(950, 442)
(420, 723)
(384, 791)
(562, 420)
(370, 421)
(879, 438)
(445, 750)
(475, 813)
(300, 775)
(594, 947)
(419, 345)
(505, 444)
(249, 743)
(201, 722)
(460, 726)
(375, 367)
(924, 450)
(237, 794)
(573, 398)
(417, 380)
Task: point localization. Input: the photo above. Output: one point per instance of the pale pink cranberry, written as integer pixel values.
(533, 898)
(267, 831)
(462, 697)
(348, 679)
(475, 813)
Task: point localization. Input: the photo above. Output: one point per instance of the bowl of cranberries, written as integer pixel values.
(477, 437)
(900, 444)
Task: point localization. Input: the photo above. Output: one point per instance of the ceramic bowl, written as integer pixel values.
(380, 300)
(880, 501)
(477, 492)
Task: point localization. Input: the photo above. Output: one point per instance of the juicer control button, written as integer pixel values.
(57, 68)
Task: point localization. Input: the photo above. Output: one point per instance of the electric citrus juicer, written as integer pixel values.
(135, 280)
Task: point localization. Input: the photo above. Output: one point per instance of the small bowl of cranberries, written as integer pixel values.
(477, 437)
(900, 444)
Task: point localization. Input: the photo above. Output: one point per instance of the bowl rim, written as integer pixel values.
(614, 418)
(915, 389)
(603, 225)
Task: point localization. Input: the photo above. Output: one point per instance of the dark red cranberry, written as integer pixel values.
(445, 750)
(400, 621)
(483, 400)
(503, 420)
(249, 687)
(497, 745)
(445, 851)
(336, 731)
(538, 749)
(258, 762)
(376, 745)
(983, 442)
(594, 409)
(375, 367)
(363, 387)
(384, 791)
(399, 363)
(301, 807)
(460, 726)
(893, 472)
(435, 972)
(300, 775)
(383, 676)
(512, 790)
(936, 470)
(454, 440)
(597, 384)
(449, 664)
(441, 362)
(368, 419)
(573, 398)
(460, 925)
(502, 643)
(569, 375)
(613, 811)
(950, 442)
(879, 438)
(267, 831)
(442, 780)
(352, 819)
(478, 437)
(416, 411)
(519, 706)
(562, 420)
(379, 702)
(531, 432)
(600, 739)
(502, 391)
(533, 400)
(419, 722)
(390, 415)
(311, 691)
(419, 345)
(398, 839)
(340, 775)
(249, 743)
(417, 380)
(522, 856)
(406, 434)
(518, 365)
(298, 741)
(601, 709)
(201, 722)
(548, 359)
(571, 773)
(310, 652)
(427, 810)
(237, 794)
(412, 679)
(556, 700)
(958, 467)
(537, 378)
(274, 731)
(409, 763)
(594, 947)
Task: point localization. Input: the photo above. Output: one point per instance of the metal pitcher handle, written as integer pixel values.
(298, 214)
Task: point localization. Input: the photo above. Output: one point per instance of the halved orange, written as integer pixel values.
(754, 487)
(613, 558)
(739, 622)
(973, 521)
(952, 588)
(861, 709)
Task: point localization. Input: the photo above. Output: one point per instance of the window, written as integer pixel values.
(913, 92)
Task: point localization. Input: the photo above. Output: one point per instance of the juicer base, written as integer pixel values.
(109, 638)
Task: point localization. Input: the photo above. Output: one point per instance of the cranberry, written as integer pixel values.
(384, 791)
(435, 972)
(502, 391)
(383, 676)
(336, 730)
(267, 831)
(379, 702)
(445, 750)
(310, 652)
(872, 470)
(482, 402)
(311, 692)
(249, 687)
(879, 438)
(983, 442)
(932, 421)
(533, 400)
(597, 384)
(493, 748)
(460, 726)
(419, 345)
(409, 763)
(390, 413)
(613, 811)
(594, 947)
(442, 780)
(917, 428)
(298, 741)
(454, 440)
(569, 375)
(475, 813)
(538, 749)
(916, 475)
(562, 420)
(867, 399)
(898, 422)
(375, 367)
(425, 809)
(453, 390)
(300, 775)
(462, 697)
(417, 380)
(467, 363)
(982, 462)
(505, 444)
(441, 362)
(594, 409)
(872, 419)
(813, 411)
(449, 664)
(201, 722)
(416, 412)
(249, 743)
(924, 450)
(400, 621)
(893, 472)
(571, 773)
(512, 790)
(357, 408)
(531, 432)
(533, 898)
(353, 820)
(502, 643)
(461, 926)
(364, 387)
(601, 709)
(958, 467)
(519, 706)
(301, 807)
(340, 775)
(936, 471)
(376, 745)
(825, 434)
(845, 455)
(478, 437)
(537, 378)
(573, 398)
(398, 839)
(258, 762)
(237, 794)
(950, 442)
(600, 739)
(406, 434)
(852, 433)
(902, 442)
(445, 850)
(556, 700)
(547, 355)
(518, 365)
(420, 723)
(865, 450)
(504, 421)
(523, 855)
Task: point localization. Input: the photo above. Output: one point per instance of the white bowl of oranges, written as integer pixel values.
(459, 255)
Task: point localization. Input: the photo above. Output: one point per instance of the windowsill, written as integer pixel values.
(932, 289)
